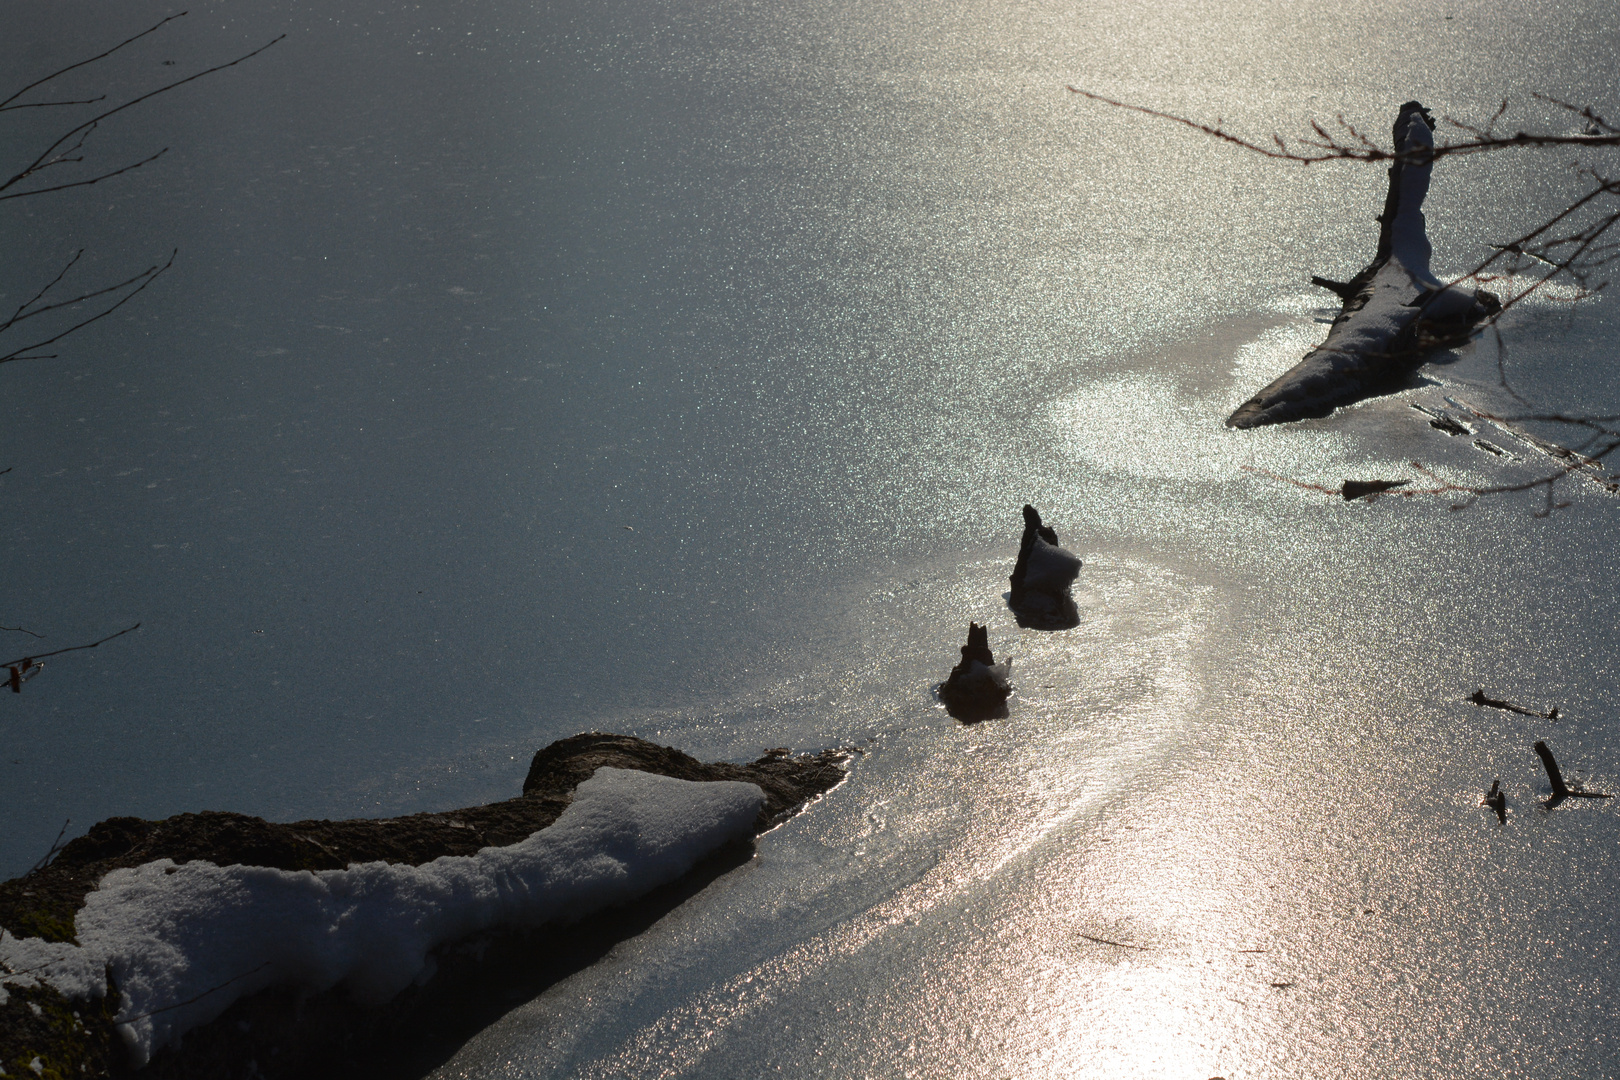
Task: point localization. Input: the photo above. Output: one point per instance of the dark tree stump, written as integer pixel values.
(978, 687)
(1041, 578)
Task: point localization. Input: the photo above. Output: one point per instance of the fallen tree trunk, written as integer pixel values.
(284, 1030)
(1394, 311)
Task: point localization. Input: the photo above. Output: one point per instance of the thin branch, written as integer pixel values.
(151, 274)
(1584, 111)
(1446, 487)
(83, 183)
(35, 657)
(23, 629)
(82, 130)
(6, 104)
(56, 845)
(77, 299)
(1357, 147)
(199, 997)
(53, 104)
(37, 296)
(1281, 152)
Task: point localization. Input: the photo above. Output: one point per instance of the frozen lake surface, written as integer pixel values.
(680, 369)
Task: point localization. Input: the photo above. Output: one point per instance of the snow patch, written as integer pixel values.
(182, 942)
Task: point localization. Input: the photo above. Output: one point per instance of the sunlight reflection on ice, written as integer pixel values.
(1094, 718)
(1148, 426)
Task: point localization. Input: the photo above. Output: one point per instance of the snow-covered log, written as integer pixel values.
(1394, 312)
(182, 942)
(297, 950)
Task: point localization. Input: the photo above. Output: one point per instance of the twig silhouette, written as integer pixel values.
(56, 845)
(25, 668)
(7, 103)
(64, 150)
(145, 278)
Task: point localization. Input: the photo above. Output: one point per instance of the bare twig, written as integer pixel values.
(84, 183)
(61, 151)
(1353, 145)
(23, 312)
(71, 648)
(18, 314)
(53, 104)
(7, 103)
(145, 278)
(56, 845)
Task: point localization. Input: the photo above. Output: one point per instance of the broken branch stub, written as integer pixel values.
(1560, 789)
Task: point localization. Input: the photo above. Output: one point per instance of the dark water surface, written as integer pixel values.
(680, 368)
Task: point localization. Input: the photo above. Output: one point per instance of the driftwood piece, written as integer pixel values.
(1478, 697)
(1394, 311)
(1496, 799)
(1560, 789)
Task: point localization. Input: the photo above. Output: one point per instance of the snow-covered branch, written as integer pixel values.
(1395, 309)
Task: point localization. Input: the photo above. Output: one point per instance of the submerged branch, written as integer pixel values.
(1117, 944)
